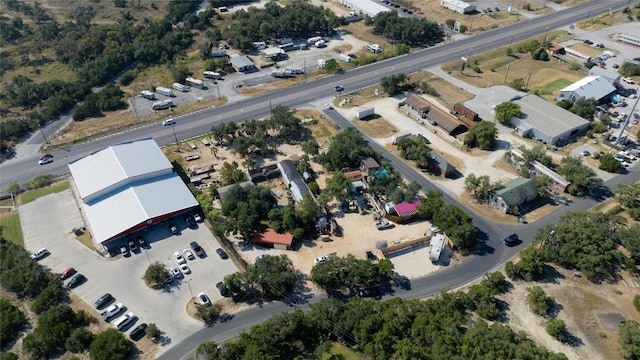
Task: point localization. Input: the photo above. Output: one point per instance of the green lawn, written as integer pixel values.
(554, 87)
(11, 229)
(31, 195)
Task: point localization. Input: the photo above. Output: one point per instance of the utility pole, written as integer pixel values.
(44, 136)
(528, 78)
(190, 291)
(173, 126)
(506, 74)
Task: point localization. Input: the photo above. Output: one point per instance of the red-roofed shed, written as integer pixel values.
(273, 239)
(407, 210)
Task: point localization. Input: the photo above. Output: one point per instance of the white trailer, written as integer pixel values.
(400, 136)
(212, 75)
(319, 44)
(436, 244)
(194, 82)
(179, 87)
(148, 95)
(165, 91)
(314, 40)
(374, 48)
(161, 105)
(344, 57)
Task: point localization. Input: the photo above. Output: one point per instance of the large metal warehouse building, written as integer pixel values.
(128, 187)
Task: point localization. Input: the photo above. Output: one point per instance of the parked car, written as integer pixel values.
(222, 289)
(510, 240)
(39, 254)
(168, 279)
(112, 311)
(585, 153)
(124, 320)
(132, 244)
(188, 219)
(197, 217)
(103, 301)
(261, 256)
(179, 258)
(185, 269)
(223, 255)
(137, 333)
(124, 250)
(338, 88)
(173, 229)
(195, 247)
(204, 299)
(175, 272)
(76, 280)
(67, 273)
(143, 244)
(188, 254)
(320, 260)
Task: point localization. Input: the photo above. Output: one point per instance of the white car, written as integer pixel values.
(320, 260)
(188, 254)
(39, 254)
(185, 269)
(197, 217)
(179, 258)
(112, 311)
(204, 299)
(168, 122)
(45, 160)
(175, 272)
(328, 106)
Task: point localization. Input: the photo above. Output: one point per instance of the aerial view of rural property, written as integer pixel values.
(319, 179)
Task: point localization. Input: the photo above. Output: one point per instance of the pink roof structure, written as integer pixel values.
(407, 208)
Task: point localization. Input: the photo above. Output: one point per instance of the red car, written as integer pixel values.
(45, 156)
(67, 273)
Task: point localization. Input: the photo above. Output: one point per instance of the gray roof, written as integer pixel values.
(289, 170)
(294, 179)
(117, 166)
(241, 61)
(590, 87)
(612, 76)
(518, 191)
(549, 118)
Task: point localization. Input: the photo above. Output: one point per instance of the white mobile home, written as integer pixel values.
(458, 6)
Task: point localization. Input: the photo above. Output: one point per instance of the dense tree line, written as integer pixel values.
(582, 177)
(416, 149)
(271, 277)
(629, 340)
(12, 321)
(628, 195)
(339, 273)
(109, 99)
(408, 30)
(345, 151)
(442, 327)
(297, 20)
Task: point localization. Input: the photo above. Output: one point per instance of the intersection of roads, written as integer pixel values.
(491, 253)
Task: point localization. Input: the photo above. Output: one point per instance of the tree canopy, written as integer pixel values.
(482, 135)
(245, 208)
(345, 150)
(582, 177)
(506, 111)
(413, 31)
(271, 277)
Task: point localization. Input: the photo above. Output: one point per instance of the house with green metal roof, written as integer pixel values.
(515, 193)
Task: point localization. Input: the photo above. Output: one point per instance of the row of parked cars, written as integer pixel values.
(122, 322)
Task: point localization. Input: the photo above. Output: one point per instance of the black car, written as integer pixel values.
(188, 219)
(197, 248)
(103, 301)
(138, 332)
(510, 240)
(222, 289)
(132, 244)
(76, 280)
(372, 291)
(221, 253)
(143, 244)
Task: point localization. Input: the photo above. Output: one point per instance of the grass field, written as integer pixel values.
(11, 229)
(31, 195)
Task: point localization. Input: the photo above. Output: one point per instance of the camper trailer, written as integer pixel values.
(165, 91)
(161, 105)
(197, 83)
(180, 87)
(148, 95)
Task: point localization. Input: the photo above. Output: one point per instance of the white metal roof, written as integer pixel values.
(241, 60)
(119, 211)
(548, 117)
(368, 7)
(116, 165)
(590, 87)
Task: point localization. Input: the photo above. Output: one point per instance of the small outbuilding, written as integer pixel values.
(241, 63)
(273, 239)
(458, 6)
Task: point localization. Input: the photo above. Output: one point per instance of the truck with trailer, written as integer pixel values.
(400, 136)
(161, 105)
(193, 82)
(179, 87)
(148, 95)
(165, 91)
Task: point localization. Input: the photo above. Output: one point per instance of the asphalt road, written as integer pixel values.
(23, 169)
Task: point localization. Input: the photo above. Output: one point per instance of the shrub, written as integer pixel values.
(557, 328)
(209, 313)
(539, 301)
(79, 340)
(155, 275)
(12, 320)
(110, 345)
(636, 302)
(153, 332)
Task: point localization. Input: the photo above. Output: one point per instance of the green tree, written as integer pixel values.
(79, 340)
(482, 135)
(246, 208)
(207, 350)
(345, 150)
(582, 177)
(629, 340)
(529, 268)
(627, 195)
(636, 302)
(155, 275)
(609, 163)
(110, 345)
(12, 320)
(154, 332)
(179, 73)
(557, 329)
(507, 110)
(584, 108)
(518, 84)
(310, 147)
(331, 66)
(209, 312)
(630, 239)
(394, 84)
(402, 49)
(538, 153)
(540, 303)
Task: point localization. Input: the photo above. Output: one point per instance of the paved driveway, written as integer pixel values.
(122, 276)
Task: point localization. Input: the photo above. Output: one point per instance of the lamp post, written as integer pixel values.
(469, 58)
(190, 291)
(545, 36)
(44, 136)
(173, 126)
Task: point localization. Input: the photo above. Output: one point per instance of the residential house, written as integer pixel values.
(514, 194)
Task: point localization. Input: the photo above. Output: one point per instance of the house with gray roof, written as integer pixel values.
(596, 87)
(514, 194)
(294, 180)
(547, 122)
(241, 63)
(612, 77)
(128, 187)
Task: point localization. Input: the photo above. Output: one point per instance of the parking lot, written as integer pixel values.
(122, 276)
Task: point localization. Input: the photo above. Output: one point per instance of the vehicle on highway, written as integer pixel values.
(39, 254)
(320, 260)
(338, 88)
(179, 258)
(188, 254)
(137, 333)
(124, 320)
(185, 269)
(173, 229)
(197, 248)
(112, 311)
(103, 301)
(45, 160)
(44, 156)
(76, 280)
(168, 122)
(175, 272)
(223, 255)
(328, 106)
(510, 240)
(204, 299)
(67, 273)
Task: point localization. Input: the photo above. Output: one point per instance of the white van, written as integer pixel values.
(124, 320)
